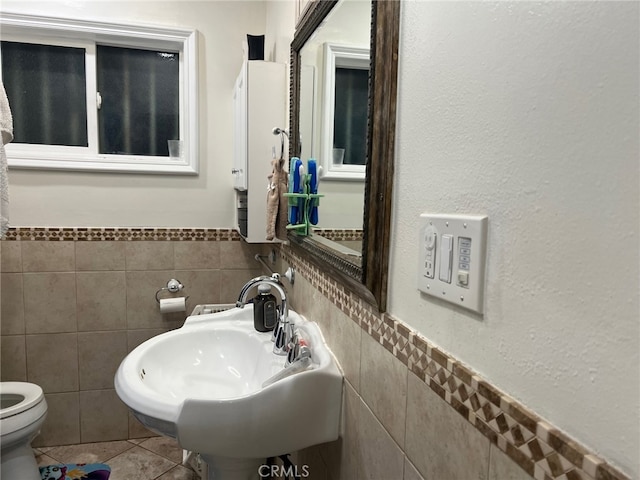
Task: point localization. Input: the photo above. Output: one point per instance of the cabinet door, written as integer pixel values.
(260, 105)
(240, 131)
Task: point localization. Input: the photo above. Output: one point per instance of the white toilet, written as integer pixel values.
(22, 412)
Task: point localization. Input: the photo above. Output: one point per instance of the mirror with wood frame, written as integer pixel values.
(365, 276)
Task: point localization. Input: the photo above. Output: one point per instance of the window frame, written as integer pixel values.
(88, 34)
(343, 56)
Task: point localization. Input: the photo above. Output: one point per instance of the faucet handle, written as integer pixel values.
(298, 350)
(279, 339)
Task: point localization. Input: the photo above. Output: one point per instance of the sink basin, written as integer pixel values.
(203, 385)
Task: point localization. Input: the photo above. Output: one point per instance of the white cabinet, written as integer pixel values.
(260, 103)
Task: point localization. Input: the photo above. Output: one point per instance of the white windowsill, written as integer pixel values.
(104, 163)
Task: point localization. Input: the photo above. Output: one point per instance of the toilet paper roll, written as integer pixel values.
(169, 305)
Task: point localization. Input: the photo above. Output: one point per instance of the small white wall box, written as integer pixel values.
(452, 257)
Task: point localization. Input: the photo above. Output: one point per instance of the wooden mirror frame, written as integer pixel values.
(368, 280)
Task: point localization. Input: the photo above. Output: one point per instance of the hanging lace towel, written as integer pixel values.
(277, 204)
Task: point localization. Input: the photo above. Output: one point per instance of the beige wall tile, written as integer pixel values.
(48, 256)
(379, 457)
(100, 256)
(62, 425)
(13, 359)
(383, 385)
(309, 460)
(343, 335)
(239, 256)
(142, 309)
(196, 255)
(308, 301)
(410, 472)
(52, 361)
(136, 429)
(148, 255)
(298, 295)
(102, 301)
(232, 281)
(11, 256)
(103, 416)
(501, 467)
(439, 442)
(100, 354)
(342, 456)
(12, 304)
(201, 286)
(50, 302)
(136, 337)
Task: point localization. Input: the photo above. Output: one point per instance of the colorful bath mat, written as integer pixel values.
(75, 471)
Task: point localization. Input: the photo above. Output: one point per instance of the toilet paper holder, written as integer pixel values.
(173, 286)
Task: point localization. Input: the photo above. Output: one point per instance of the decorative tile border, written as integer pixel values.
(58, 234)
(540, 449)
(340, 235)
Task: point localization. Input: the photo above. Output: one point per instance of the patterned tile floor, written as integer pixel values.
(155, 458)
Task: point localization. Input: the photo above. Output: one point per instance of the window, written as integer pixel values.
(103, 97)
(47, 88)
(350, 114)
(346, 94)
(139, 101)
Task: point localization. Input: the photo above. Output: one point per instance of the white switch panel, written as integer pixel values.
(452, 258)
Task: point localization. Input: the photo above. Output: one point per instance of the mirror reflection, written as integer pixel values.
(334, 72)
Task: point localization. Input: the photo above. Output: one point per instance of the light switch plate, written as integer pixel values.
(458, 258)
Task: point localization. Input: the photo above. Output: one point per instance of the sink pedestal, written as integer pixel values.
(227, 468)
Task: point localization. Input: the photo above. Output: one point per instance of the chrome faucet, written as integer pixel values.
(283, 334)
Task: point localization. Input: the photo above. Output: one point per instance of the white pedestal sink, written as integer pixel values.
(202, 384)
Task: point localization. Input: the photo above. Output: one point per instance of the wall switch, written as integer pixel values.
(455, 247)
(446, 255)
(429, 249)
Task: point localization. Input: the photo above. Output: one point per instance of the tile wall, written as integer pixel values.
(411, 411)
(72, 308)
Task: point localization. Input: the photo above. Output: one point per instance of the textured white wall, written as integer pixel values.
(528, 112)
(98, 199)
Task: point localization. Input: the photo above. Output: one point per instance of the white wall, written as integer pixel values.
(528, 112)
(281, 19)
(97, 199)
